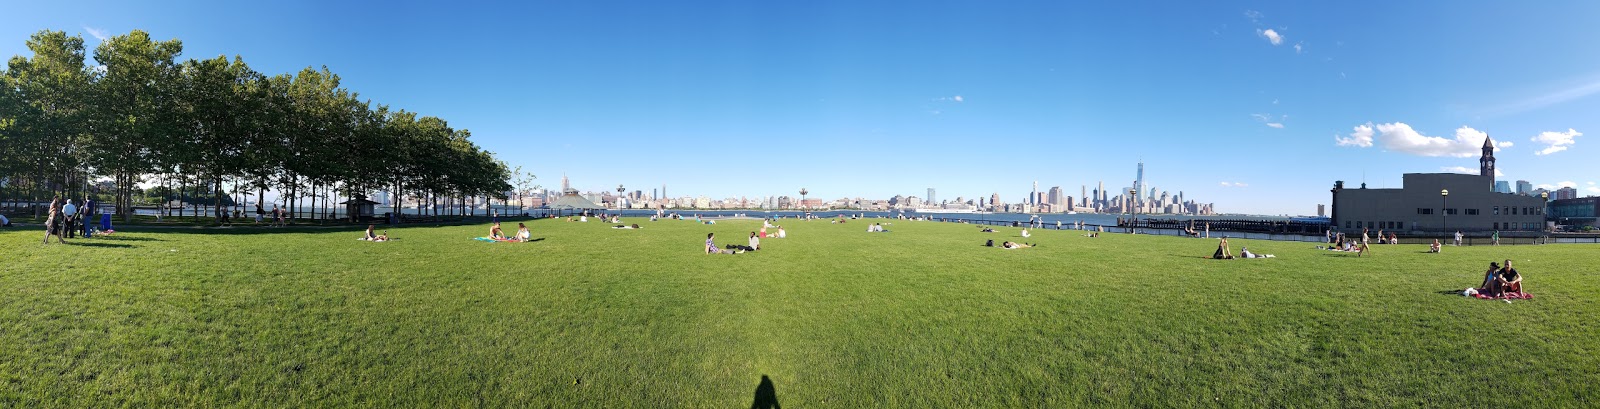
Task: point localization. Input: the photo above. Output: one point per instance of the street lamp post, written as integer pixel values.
(1443, 193)
(619, 199)
(1133, 210)
(1544, 209)
(803, 193)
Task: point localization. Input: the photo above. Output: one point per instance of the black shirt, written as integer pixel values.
(1508, 274)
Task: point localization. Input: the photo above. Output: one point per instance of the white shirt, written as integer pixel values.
(69, 209)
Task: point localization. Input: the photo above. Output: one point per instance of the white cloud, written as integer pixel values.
(1555, 141)
(1234, 184)
(1545, 186)
(1362, 137)
(1267, 119)
(1271, 35)
(1469, 171)
(1567, 184)
(1400, 137)
(1299, 47)
(1254, 16)
(1592, 189)
(97, 33)
(1553, 98)
(958, 98)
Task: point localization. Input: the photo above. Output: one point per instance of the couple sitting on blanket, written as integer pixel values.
(1500, 281)
(522, 233)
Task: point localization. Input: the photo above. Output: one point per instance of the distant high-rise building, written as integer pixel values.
(1055, 197)
(1524, 188)
(1084, 194)
(1502, 186)
(1138, 180)
(1035, 194)
(1564, 193)
(565, 184)
(663, 190)
(931, 197)
(1100, 194)
(994, 200)
(1322, 210)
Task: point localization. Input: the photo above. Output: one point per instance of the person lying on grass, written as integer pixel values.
(1244, 252)
(627, 227)
(1013, 245)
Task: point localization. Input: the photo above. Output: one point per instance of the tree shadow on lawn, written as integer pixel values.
(125, 238)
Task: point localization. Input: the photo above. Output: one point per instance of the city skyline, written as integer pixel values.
(1255, 107)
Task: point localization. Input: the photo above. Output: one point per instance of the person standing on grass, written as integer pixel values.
(1495, 240)
(68, 213)
(1458, 238)
(52, 223)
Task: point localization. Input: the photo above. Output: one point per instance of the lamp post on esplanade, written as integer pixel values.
(1443, 193)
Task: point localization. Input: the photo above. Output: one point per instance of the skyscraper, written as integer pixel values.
(1502, 186)
(1035, 194)
(1524, 188)
(1055, 198)
(1138, 181)
(931, 198)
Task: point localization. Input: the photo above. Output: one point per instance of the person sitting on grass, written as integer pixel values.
(711, 246)
(1488, 286)
(1508, 281)
(1012, 245)
(1223, 252)
(782, 233)
(1434, 248)
(495, 233)
(755, 242)
(1025, 233)
(372, 235)
(4, 222)
(522, 233)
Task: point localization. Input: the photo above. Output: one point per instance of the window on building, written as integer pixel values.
(1424, 210)
(1346, 224)
(1450, 211)
(1370, 226)
(1497, 210)
(1497, 225)
(1472, 212)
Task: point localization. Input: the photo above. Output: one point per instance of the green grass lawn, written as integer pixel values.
(922, 316)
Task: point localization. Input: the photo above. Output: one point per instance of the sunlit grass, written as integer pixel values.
(922, 316)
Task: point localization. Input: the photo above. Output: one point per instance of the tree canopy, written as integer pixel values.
(140, 113)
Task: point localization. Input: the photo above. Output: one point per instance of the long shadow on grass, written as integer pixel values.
(127, 238)
(766, 395)
(94, 244)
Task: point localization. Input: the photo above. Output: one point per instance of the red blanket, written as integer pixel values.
(1509, 296)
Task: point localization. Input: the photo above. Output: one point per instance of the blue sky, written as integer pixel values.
(1256, 106)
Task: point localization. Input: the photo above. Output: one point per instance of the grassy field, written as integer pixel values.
(922, 316)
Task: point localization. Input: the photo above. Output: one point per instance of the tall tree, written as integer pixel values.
(53, 88)
(133, 110)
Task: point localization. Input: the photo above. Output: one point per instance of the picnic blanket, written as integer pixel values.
(491, 240)
(1508, 296)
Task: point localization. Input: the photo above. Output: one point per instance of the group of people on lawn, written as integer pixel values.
(1499, 281)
